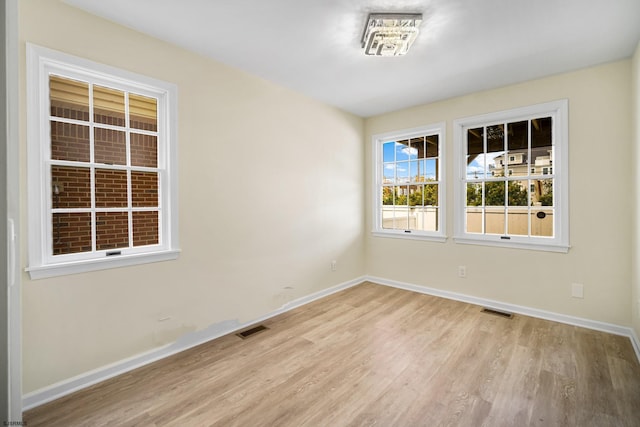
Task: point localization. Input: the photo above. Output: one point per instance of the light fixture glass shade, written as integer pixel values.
(390, 34)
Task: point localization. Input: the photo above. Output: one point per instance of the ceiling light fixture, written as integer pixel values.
(390, 34)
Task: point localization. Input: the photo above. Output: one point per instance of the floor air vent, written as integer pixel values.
(497, 313)
(251, 331)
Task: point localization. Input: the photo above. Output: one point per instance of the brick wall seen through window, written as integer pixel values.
(104, 168)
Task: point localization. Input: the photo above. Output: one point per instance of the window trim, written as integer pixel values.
(41, 62)
(559, 110)
(377, 141)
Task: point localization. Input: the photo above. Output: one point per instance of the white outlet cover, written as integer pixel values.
(462, 271)
(577, 290)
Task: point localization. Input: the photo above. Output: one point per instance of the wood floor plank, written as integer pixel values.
(628, 402)
(376, 356)
(556, 402)
(516, 391)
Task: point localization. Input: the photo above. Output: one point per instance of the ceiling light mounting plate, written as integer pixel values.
(390, 34)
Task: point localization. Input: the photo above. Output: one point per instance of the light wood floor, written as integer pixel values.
(373, 355)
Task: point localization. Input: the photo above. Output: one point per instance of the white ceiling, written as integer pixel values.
(313, 46)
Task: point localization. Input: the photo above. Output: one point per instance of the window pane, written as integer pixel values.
(395, 218)
(432, 142)
(494, 193)
(112, 230)
(402, 150)
(144, 150)
(143, 112)
(387, 195)
(542, 146)
(144, 189)
(475, 142)
(415, 195)
(426, 219)
(417, 147)
(401, 210)
(542, 194)
(108, 106)
(402, 218)
(415, 218)
(495, 160)
(111, 188)
(388, 151)
(474, 219)
(389, 173)
(494, 220)
(71, 187)
(110, 147)
(518, 135)
(474, 194)
(401, 193)
(145, 228)
(431, 195)
(541, 132)
(421, 173)
(69, 142)
(495, 138)
(518, 193)
(402, 172)
(542, 160)
(416, 170)
(542, 222)
(71, 233)
(518, 222)
(388, 217)
(68, 98)
(518, 148)
(431, 169)
(476, 165)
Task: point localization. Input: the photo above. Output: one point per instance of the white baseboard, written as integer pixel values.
(527, 311)
(635, 342)
(63, 388)
(68, 386)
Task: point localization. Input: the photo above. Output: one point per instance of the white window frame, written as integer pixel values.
(377, 141)
(559, 111)
(42, 62)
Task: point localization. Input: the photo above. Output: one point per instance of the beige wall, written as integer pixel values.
(283, 183)
(600, 202)
(256, 147)
(635, 260)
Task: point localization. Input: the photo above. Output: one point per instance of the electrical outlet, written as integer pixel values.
(334, 265)
(577, 290)
(462, 271)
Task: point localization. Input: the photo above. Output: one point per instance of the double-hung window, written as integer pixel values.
(409, 187)
(512, 179)
(102, 166)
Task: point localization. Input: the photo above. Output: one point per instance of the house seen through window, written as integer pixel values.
(513, 168)
(521, 204)
(409, 191)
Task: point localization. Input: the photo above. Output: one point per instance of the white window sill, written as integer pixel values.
(411, 236)
(546, 247)
(66, 268)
